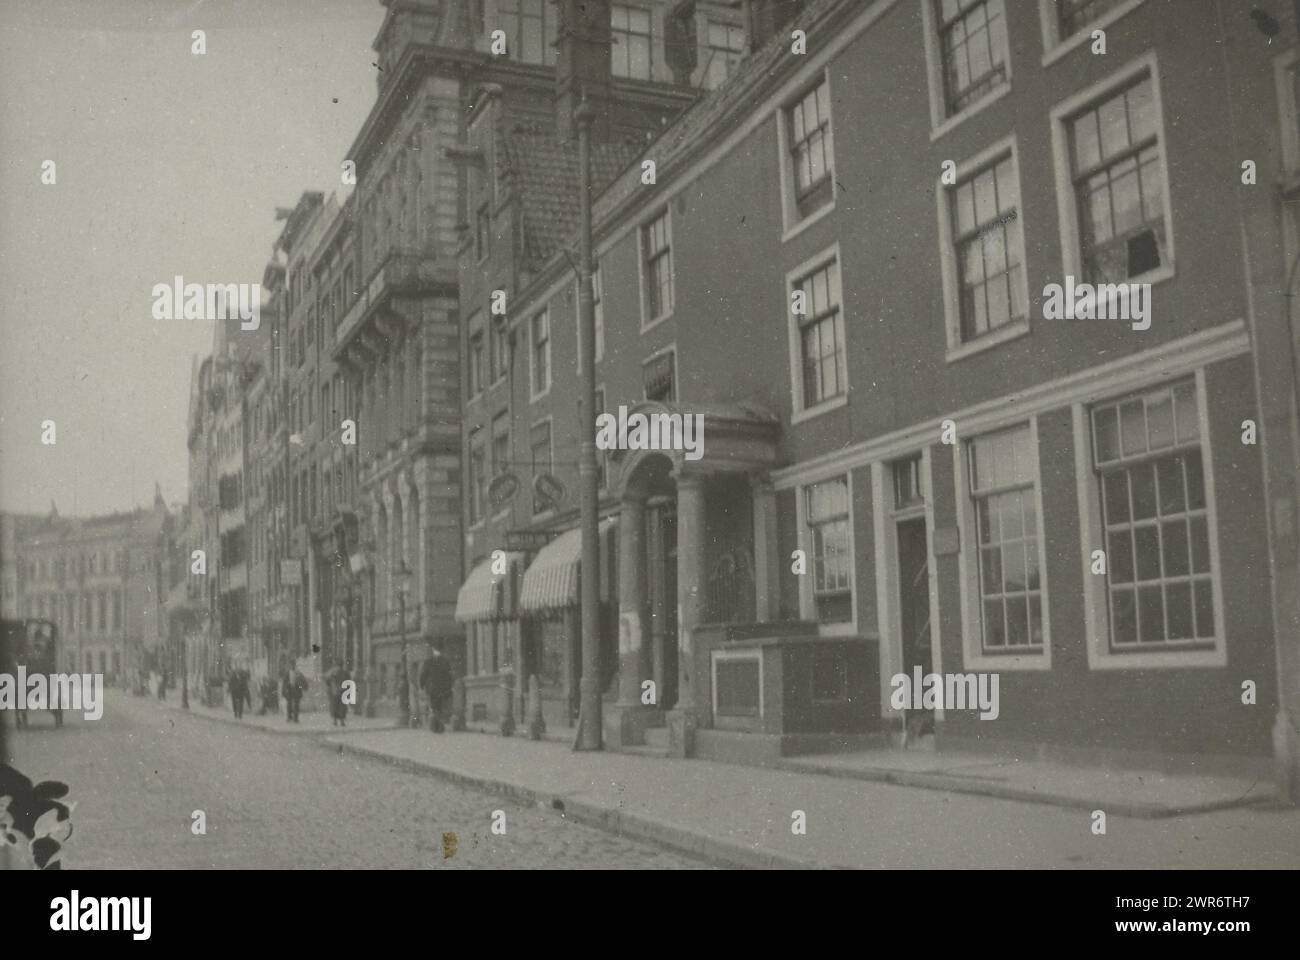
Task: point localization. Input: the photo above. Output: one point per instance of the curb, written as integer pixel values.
(613, 821)
(951, 783)
(287, 731)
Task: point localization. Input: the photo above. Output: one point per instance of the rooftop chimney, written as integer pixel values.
(583, 65)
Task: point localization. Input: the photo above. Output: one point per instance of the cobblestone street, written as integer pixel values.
(274, 801)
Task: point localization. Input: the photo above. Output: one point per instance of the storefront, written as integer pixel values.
(487, 605)
(550, 607)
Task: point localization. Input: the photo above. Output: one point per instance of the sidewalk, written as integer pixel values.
(314, 722)
(743, 815)
(1129, 793)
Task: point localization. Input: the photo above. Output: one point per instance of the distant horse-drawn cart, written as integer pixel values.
(34, 645)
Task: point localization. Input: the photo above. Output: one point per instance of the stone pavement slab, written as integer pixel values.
(743, 815)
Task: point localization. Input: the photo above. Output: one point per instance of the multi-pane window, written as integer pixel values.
(907, 483)
(598, 311)
(973, 47)
(1002, 488)
(477, 475)
(529, 26)
(482, 233)
(726, 48)
(1292, 119)
(812, 152)
(656, 245)
(477, 363)
(630, 54)
(988, 241)
(541, 367)
(1119, 184)
(826, 512)
(1147, 454)
(500, 348)
(1073, 15)
(602, 456)
(500, 444)
(539, 444)
(822, 355)
(659, 377)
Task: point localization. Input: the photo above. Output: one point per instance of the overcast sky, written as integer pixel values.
(167, 163)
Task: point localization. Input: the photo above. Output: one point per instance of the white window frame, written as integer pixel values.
(550, 440)
(1096, 605)
(492, 463)
(496, 342)
(484, 434)
(791, 223)
(708, 20)
(650, 358)
(652, 65)
(602, 456)
(647, 322)
(1056, 46)
(973, 655)
(799, 412)
(1286, 64)
(717, 655)
(474, 371)
(956, 349)
(533, 393)
(599, 311)
(807, 601)
(1067, 206)
(940, 122)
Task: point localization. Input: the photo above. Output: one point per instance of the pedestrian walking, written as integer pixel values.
(403, 691)
(335, 679)
(436, 682)
(235, 683)
(291, 688)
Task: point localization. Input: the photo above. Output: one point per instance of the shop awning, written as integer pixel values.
(484, 594)
(551, 581)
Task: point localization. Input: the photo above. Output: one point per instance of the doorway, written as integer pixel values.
(661, 596)
(914, 613)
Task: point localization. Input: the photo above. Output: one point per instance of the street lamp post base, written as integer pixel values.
(590, 716)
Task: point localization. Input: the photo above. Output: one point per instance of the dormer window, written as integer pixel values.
(530, 27)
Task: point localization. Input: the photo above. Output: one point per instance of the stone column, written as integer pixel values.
(631, 602)
(627, 719)
(690, 572)
(767, 563)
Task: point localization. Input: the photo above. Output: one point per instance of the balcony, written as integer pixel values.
(404, 273)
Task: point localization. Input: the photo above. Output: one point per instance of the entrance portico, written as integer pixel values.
(681, 563)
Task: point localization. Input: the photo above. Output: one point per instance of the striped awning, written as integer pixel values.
(551, 581)
(484, 594)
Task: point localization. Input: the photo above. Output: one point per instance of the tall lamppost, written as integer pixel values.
(589, 714)
(403, 576)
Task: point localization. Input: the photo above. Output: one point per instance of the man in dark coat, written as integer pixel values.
(291, 688)
(436, 682)
(235, 683)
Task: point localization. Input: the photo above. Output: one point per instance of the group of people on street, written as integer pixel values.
(435, 681)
